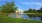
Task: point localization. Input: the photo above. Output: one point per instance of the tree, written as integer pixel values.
(41, 8)
(34, 11)
(40, 11)
(9, 7)
(25, 11)
(30, 10)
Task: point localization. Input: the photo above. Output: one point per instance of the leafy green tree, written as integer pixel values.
(34, 11)
(9, 7)
(30, 10)
(25, 11)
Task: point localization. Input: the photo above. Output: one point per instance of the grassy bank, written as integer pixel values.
(37, 14)
(32, 13)
(5, 19)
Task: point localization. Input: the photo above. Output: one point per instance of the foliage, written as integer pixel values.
(33, 11)
(40, 11)
(30, 10)
(9, 7)
(25, 11)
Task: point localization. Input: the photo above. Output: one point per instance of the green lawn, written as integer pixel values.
(5, 19)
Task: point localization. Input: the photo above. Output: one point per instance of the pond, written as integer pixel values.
(27, 16)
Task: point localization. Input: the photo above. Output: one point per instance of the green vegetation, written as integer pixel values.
(8, 7)
(5, 19)
(33, 10)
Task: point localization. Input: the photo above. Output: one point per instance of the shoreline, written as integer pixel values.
(23, 13)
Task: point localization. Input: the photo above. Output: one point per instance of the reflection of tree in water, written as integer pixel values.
(39, 16)
(32, 15)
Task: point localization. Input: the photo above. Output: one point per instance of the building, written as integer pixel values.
(18, 12)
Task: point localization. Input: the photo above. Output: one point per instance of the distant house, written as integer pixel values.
(18, 12)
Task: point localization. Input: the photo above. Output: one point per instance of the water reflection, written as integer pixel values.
(27, 16)
(36, 17)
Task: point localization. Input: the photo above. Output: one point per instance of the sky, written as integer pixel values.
(25, 4)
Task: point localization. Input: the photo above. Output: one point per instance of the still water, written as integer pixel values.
(26, 16)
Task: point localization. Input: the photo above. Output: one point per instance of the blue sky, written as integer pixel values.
(25, 4)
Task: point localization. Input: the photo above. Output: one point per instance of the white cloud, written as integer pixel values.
(38, 3)
(31, 3)
(25, 3)
(37, 8)
(35, 3)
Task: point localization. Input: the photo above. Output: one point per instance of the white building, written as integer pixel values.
(18, 12)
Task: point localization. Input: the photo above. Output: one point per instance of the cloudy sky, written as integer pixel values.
(25, 4)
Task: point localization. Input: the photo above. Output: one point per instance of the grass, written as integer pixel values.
(36, 14)
(5, 19)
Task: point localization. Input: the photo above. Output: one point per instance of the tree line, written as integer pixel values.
(8, 7)
(33, 10)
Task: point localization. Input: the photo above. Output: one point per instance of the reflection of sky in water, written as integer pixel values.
(25, 16)
(36, 18)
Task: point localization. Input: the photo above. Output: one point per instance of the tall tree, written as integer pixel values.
(41, 8)
(30, 10)
(9, 7)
